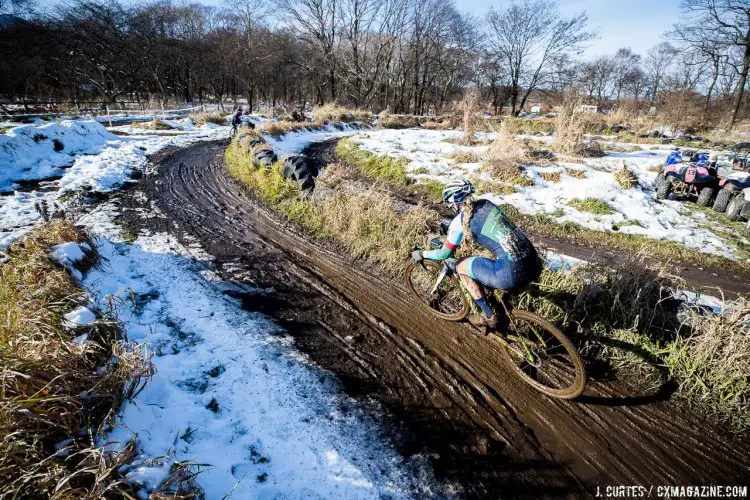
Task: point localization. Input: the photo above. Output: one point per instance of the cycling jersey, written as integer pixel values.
(516, 261)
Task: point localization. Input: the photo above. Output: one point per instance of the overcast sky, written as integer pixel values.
(637, 24)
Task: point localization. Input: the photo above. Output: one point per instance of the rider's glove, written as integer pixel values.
(417, 256)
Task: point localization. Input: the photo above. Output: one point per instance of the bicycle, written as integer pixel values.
(538, 351)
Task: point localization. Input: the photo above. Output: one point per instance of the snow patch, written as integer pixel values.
(81, 316)
(30, 153)
(231, 391)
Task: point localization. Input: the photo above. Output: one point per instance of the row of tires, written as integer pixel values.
(298, 168)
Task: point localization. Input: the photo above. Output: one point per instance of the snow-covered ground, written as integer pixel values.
(294, 143)
(230, 391)
(634, 210)
(90, 157)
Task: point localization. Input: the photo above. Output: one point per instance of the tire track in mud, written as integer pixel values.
(448, 391)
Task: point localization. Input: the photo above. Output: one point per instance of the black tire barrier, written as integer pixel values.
(298, 167)
(302, 170)
(264, 158)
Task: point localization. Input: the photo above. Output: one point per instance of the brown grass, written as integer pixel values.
(570, 127)
(468, 108)
(655, 168)
(625, 177)
(550, 176)
(279, 128)
(437, 125)
(504, 157)
(332, 112)
(576, 172)
(53, 387)
(152, 125)
(464, 157)
(387, 120)
(203, 118)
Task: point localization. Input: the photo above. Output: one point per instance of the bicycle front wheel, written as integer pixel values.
(543, 356)
(447, 301)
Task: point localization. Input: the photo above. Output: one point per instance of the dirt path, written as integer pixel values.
(447, 390)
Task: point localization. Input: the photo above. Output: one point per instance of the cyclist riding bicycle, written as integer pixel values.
(516, 262)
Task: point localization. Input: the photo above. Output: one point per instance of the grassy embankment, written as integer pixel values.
(58, 394)
(626, 310)
(362, 219)
(200, 119)
(328, 114)
(152, 125)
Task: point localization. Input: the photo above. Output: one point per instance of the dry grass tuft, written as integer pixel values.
(152, 125)
(468, 108)
(332, 112)
(203, 118)
(387, 120)
(589, 149)
(655, 168)
(632, 302)
(53, 387)
(570, 127)
(437, 125)
(576, 172)
(464, 157)
(625, 177)
(504, 157)
(550, 176)
(279, 128)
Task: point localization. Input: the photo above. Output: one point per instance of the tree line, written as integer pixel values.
(407, 56)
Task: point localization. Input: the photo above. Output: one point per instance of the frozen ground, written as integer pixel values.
(295, 142)
(634, 211)
(230, 392)
(91, 158)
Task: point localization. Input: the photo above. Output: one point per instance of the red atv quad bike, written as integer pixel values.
(689, 180)
(734, 178)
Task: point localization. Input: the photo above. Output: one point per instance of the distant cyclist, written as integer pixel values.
(236, 120)
(516, 262)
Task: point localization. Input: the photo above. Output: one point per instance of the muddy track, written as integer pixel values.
(447, 391)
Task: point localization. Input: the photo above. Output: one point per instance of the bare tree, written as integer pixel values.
(624, 62)
(717, 24)
(656, 65)
(527, 36)
(317, 22)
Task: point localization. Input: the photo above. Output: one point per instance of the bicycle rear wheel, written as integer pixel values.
(448, 302)
(543, 356)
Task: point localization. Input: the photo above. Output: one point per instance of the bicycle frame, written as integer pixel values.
(449, 268)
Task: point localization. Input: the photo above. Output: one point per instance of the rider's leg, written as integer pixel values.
(475, 290)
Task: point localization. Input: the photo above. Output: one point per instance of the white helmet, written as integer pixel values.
(457, 190)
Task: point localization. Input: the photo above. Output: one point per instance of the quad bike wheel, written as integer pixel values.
(705, 196)
(735, 207)
(659, 179)
(663, 190)
(722, 200)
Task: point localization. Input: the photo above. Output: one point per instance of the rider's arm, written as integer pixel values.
(455, 235)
